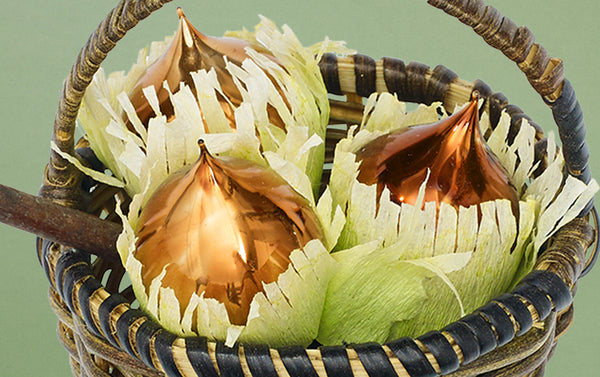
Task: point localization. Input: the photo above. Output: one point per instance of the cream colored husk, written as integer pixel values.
(396, 271)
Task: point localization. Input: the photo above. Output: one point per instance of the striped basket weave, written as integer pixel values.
(513, 335)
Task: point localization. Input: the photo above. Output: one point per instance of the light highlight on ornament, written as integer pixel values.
(221, 228)
(191, 51)
(450, 154)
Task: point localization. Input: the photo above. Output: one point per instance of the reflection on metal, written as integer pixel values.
(221, 228)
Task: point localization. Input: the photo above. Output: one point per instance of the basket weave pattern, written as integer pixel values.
(513, 335)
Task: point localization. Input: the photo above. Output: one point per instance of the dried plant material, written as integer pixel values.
(500, 248)
(397, 269)
(287, 308)
(286, 311)
(191, 51)
(100, 177)
(222, 228)
(374, 288)
(291, 85)
(449, 154)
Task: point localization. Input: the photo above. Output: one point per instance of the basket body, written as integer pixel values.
(106, 338)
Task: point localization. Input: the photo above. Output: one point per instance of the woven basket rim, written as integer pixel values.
(314, 355)
(74, 270)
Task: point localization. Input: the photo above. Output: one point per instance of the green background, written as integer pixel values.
(39, 40)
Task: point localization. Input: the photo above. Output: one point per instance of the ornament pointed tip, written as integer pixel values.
(186, 27)
(203, 148)
(222, 228)
(472, 106)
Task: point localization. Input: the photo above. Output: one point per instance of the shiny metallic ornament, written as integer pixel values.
(462, 169)
(221, 228)
(191, 51)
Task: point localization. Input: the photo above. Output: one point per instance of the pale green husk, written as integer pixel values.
(396, 270)
(386, 287)
(288, 312)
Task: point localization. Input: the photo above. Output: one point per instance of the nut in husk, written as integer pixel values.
(221, 228)
(450, 155)
(191, 51)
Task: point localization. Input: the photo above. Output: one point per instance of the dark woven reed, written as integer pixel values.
(513, 335)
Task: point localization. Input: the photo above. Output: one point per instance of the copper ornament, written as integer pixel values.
(463, 170)
(191, 51)
(222, 227)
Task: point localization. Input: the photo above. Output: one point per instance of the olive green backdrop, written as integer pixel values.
(39, 40)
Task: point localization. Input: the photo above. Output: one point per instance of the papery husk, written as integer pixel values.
(304, 108)
(395, 289)
(288, 312)
(387, 279)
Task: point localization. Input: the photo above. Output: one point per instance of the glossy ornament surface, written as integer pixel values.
(188, 52)
(220, 228)
(462, 170)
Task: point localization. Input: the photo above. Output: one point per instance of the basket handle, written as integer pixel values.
(61, 178)
(544, 73)
(414, 82)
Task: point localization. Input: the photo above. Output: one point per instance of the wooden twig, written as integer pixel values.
(54, 222)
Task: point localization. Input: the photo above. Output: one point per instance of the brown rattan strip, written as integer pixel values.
(518, 310)
(145, 335)
(564, 321)
(568, 248)
(199, 357)
(258, 358)
(374, 359)
(85, 294)
(163, 344)
(501, 323)
(412, 357)
(365, 74)
(60, 174)
(544, 73)
(482, 88)
(465, 339)
(394, 74)
(329, 72)
(438, 84)
(136, 333)
(66, 338)
(417, 81)
(413, 82)
(228, 360)
(528, 364)
(71, 327)
(117, 357)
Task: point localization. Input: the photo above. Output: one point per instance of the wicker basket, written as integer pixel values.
(513, 335)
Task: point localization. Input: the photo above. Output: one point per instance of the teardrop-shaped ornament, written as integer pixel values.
(191, 51)
(462, 169)
(222, 227)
